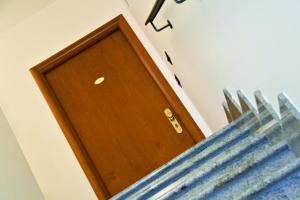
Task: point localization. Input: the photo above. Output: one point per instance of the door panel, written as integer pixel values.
(120, 123)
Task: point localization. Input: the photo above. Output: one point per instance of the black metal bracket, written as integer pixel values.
(162, 28)
(156, 8)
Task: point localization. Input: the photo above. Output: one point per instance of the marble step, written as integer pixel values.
(177, 175)
(215, 143)
(226, 138)
(207, 174)
(284, 184)
(231, 185)
(247, 139)
(185, 161)
(202, 176)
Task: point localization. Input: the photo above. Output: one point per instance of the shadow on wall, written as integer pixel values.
(17, 181)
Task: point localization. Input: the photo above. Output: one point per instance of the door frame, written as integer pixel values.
(39, 74)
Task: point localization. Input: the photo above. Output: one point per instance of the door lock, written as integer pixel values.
(172, 119)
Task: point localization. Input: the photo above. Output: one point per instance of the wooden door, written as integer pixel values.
(109, 99)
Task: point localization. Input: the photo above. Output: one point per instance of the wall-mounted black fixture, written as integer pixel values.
(179, 1)
(168, 58)
(177, 80)
(156, 8)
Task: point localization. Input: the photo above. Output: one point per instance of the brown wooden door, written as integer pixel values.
(119, 125)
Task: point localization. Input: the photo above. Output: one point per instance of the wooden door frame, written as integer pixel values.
(39, 71)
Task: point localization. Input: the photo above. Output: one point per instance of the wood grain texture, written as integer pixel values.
(117, 129)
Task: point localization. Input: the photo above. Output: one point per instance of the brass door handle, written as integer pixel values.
(172, 119)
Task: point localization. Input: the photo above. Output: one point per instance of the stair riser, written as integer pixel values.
(171, 178)
(289, 188)
(199, 183)
(251, 158)
(231, 189)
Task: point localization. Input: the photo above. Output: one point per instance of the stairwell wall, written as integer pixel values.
(236, 44)
(31, 41)
(17, 181)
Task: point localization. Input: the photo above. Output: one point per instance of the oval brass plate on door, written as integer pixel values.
(98, 81)
(173, 120)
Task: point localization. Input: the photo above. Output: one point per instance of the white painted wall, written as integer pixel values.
(31, 41)
(17, 181)
(214, 44)
(236, 44)
(23, 46)
(14, 11)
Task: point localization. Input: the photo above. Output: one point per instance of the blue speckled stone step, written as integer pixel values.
(194, 170)
(173, 172)
(230, 185)
(214, 144)
(210, 173)
(224, 164)
(252, 158)
(283, 184)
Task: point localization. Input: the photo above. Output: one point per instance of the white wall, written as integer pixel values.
(236, 44)
(16, 179)
(14, 11)
(31, 41)
(23, 46)
(214, 44)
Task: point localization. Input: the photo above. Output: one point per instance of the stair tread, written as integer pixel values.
(255, 173)
(222, 141)
(283, 183)
(200, 180)
(190, 166)
(199, 171)
(253, 157)
(198, 165)
(212, 143)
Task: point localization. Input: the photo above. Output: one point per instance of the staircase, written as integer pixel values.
(256, 156)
